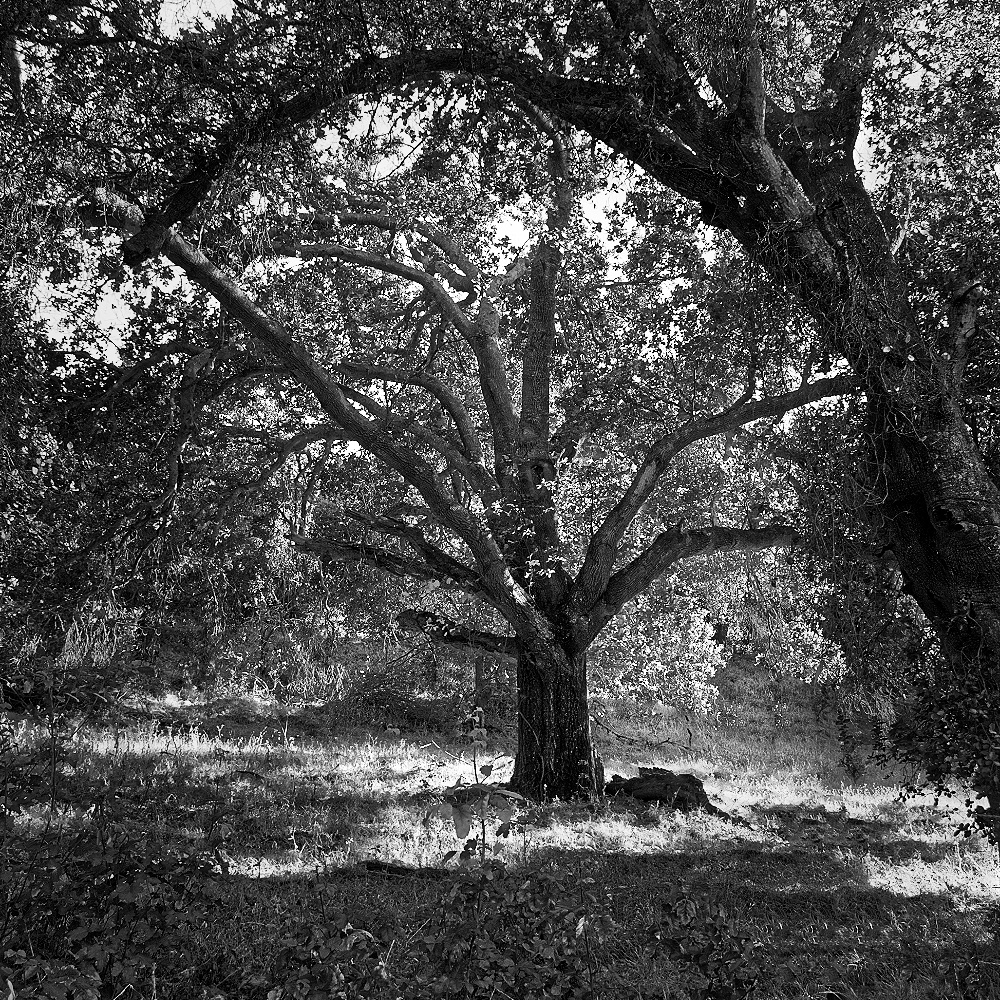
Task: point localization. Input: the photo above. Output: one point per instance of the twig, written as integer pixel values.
(640, 742)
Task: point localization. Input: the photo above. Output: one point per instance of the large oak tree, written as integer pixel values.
(752, 113)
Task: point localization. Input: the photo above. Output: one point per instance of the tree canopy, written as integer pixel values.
(530, 258)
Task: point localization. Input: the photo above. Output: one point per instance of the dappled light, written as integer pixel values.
(834, 880)
(499, 501)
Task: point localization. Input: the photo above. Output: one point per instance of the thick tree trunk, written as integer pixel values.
(555, 752)
(939, 501)
(942, 510)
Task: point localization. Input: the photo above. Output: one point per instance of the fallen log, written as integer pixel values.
(404, 871)
(654, 784)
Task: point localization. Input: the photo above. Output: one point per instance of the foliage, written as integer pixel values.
(468, 805)
(332, 959)
(949, 727)
(663, 648)
(722, 959)
(94, 912)
(532, 934)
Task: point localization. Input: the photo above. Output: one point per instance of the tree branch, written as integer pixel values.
(477, 476)
(296, 443)
(448, 399)
(446, 566)
(848, 70)
(134, 373)
(504, 592)
(544, 268)
(401, 566)
(450, 633)
(603, 548)
(670, 547)
(751, 100)
(364, 75)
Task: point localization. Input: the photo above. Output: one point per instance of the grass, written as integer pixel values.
(854, 893)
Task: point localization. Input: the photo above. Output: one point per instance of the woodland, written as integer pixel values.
(499, 499)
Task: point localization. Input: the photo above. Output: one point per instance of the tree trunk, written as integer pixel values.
(555, 752)
(942, 511)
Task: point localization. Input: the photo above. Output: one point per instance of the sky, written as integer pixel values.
(176, 14)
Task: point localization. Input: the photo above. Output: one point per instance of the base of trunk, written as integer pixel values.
(555, 753)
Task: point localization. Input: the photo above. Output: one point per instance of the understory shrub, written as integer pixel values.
(90, 915)
(332, 960)
(492, 932)
(717, 954)
(530, 935)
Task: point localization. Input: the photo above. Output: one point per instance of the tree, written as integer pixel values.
(753, 116)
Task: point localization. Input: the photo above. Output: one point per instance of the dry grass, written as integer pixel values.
(870, 896)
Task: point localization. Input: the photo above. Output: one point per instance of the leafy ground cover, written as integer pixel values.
(218, 849)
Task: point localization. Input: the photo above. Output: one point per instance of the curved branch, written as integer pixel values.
(603, 549)
(291, 446)
(448, 399)
(364, 75)
(477, 476)
(446, 566)
(672, 546)
(134, 373)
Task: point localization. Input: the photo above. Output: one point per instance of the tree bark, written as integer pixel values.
(555, 750)
(942, 511)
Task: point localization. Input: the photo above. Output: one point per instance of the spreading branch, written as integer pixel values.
(403, 567)
(603, 549)
(450, 633)
(447, 567)
(510, 599)
(672, 546)
(291, 446)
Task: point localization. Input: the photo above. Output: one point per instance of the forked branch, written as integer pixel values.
(603, 549)
(672, 546)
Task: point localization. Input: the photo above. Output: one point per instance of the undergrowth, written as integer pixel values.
(224, 857)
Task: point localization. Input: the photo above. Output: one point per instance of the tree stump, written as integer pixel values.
(655, 784)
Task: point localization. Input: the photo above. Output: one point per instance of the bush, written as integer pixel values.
(492, 933)
(329, 961)
(85, 914)
(529, 935)
(701, 937)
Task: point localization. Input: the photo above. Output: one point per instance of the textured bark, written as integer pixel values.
(942, 514)
(555, 750)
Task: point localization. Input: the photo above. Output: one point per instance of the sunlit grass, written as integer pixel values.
(838, 870)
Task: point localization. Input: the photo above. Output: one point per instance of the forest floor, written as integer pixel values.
(836, 887)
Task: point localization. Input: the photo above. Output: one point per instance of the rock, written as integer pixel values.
(655, 784)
